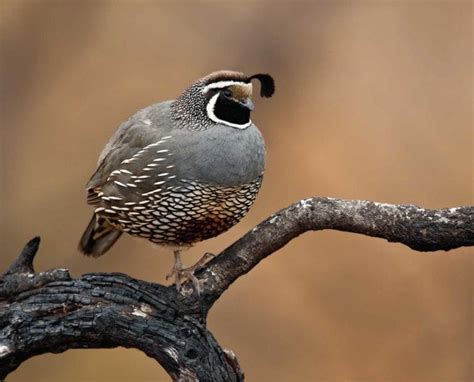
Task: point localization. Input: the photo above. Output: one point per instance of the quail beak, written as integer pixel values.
(247, 102)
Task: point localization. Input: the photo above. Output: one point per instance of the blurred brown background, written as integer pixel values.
(373, 101)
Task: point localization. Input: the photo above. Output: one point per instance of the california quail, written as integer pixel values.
(181, 171)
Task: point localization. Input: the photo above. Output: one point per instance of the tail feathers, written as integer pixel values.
(98, 237)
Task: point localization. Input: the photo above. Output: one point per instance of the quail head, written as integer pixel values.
(180, 171)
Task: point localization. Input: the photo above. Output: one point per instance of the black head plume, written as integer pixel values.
(267, 85)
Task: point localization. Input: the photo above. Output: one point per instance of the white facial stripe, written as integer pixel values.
(212, 116)
(223, 84)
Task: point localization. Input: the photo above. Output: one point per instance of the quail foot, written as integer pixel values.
(180, 171)
(179, 272)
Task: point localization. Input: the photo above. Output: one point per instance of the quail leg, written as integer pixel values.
(182, 274)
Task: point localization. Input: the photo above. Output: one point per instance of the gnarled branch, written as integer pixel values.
(418, 228)
(50, 312)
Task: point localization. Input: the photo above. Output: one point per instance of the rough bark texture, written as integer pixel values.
(50, 312)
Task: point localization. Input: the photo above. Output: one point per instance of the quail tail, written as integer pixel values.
(98, 237)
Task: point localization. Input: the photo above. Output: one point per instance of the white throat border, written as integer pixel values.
(212, 116)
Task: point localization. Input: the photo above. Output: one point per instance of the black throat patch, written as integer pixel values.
(231, 111)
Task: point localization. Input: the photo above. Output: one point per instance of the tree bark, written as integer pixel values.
(51, 312)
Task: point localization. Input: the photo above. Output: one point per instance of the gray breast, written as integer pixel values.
(220, 155)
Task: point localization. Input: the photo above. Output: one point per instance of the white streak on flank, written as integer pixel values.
(114, 198)
(99, 209)
(100, 194)
(124, 221)
(159, 159)
(162, 151)
(119, 183)
(170, 166)
(119, 208)
(125, 171)
(147, 122)
(164, 174)
(160, 182)
(148, 169)
(144, 176)
(167, 137)
(151, 192)
(110, 211)
(143, 202)
(224, 84)
(106, 198)
(130, 203)
(152, 164)
(172, 177)
(115, 172)
(131, 185)
(212, 116)
(140, 152)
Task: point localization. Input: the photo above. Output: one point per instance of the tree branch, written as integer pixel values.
(54, 313)
(50, 312)
(418, 228)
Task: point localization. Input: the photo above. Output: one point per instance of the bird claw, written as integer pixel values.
(181, 275)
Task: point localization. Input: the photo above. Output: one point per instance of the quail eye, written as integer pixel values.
(227, 93)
